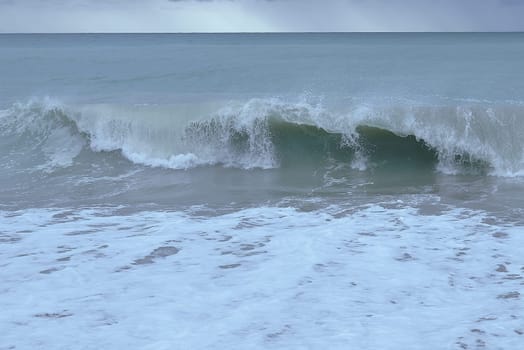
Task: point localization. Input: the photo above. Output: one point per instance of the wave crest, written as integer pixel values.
(271, 133)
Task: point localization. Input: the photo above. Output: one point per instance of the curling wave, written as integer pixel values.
(268, 133)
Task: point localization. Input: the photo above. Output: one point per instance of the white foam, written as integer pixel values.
(263, 277)
(179, 161)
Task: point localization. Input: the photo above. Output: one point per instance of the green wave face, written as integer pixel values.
(310, 145)
(386, 149)
(304, 144)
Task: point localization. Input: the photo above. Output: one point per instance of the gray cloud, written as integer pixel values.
(259, 15)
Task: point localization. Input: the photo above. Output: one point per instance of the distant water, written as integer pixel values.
(262, 191)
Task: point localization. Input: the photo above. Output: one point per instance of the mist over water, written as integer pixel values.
(388, 166)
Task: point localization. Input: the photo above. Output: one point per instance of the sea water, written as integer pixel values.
(179, 191)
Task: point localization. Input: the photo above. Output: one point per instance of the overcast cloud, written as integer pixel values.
(259, 15)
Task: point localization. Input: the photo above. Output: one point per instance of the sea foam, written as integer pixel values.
(107, 278)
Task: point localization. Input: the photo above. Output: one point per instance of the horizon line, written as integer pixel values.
(275, 32)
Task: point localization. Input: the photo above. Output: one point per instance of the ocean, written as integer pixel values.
(238, 191)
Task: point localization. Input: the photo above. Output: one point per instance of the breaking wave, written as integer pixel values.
(268, 133)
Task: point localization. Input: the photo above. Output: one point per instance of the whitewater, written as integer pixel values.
(262, 191)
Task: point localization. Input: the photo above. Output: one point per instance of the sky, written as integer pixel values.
(29, 16)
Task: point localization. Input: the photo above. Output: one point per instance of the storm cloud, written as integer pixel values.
(259, 15)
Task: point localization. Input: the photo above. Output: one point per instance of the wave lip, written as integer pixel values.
(271, 133)
(39, 130)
